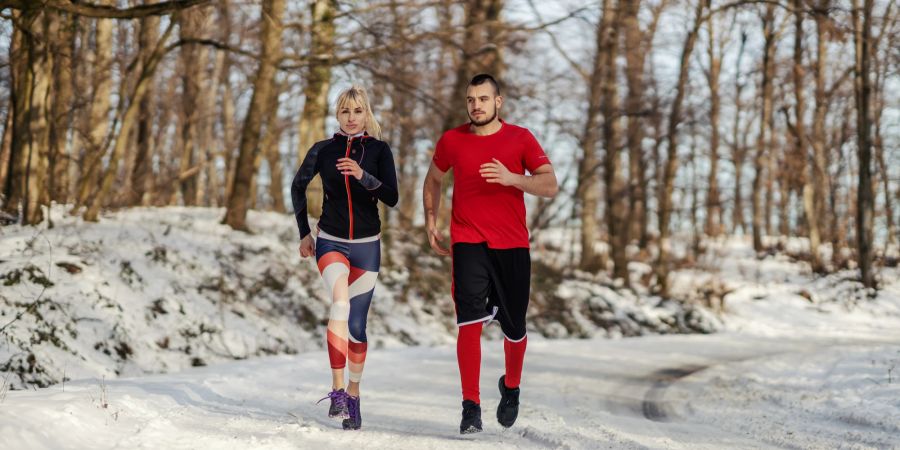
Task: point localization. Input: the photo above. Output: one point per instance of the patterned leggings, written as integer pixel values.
(349, 270)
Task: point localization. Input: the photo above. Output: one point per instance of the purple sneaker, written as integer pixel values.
(354, 421)
(338, 407)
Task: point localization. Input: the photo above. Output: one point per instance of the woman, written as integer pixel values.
(357, 170)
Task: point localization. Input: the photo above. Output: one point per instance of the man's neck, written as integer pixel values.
(486, 129)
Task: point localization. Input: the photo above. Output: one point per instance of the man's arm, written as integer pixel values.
(431, 201)
(542, 181)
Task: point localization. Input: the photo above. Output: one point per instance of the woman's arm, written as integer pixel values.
(384, 187)
(308, 170)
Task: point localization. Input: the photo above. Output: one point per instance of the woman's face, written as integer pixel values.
(352, 118)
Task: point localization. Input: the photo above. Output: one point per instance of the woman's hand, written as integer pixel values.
(348, 166)
(307, 247)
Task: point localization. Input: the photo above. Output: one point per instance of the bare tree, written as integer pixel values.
(821, 185)
(318, 81)
(668, 177)
(865, 201)
(807, 173)
(615, 193)
(62, 32)
(96, 140)
(31, 64)
(263, 86)
(760, 162)
(637, 45)
(142, 171)
(192, 26)
(738, 143)
(587, 191)
(713, 208)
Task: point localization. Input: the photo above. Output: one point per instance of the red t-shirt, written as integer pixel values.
(482, 211)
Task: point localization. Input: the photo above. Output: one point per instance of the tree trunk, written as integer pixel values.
(273, 156)
(668, 184)
(881, 71)
(142, 172)
(807, 172)
(820, 177)
(228, 138)
(31, 81)
(865, 203)
(263, 86)
(588, 190)
(318, 82)
(211, 184)
(192, 25)
(635, 58)
(63, 31)
(100, 62)
(616, 208)
(759, 162)
(738, 150)
(713, 208)
(20, 95)
(41, 65)
(405, 125)
(5, 151)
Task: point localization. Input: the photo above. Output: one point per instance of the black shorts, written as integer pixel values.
(492, 284)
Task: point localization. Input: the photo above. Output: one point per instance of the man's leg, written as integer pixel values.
(471, 284)
(512, 278)
(468, 355)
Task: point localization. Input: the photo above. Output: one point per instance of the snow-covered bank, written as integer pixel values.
(155, 290)
(150, 290)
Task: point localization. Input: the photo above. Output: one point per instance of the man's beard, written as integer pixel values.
(483, 122)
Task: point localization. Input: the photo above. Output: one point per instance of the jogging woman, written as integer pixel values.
(357, 171)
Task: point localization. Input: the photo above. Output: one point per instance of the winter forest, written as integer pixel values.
(720, 263)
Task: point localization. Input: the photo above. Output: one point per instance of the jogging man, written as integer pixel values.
(489, 239)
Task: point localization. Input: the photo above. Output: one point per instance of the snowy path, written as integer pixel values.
(577, 394)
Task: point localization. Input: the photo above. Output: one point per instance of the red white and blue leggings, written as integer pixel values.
(349, 269)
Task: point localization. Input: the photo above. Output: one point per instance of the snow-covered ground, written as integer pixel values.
(798, 361)
(660, 392)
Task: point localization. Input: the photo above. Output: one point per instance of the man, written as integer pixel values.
(489, 239)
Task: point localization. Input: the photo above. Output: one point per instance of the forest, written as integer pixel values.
(665, 119)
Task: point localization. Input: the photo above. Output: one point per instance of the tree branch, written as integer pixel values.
(103, 11)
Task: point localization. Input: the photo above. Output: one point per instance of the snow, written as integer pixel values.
(779, 358)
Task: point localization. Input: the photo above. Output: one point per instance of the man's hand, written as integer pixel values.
(496, 172)
(435, 238)
(307, 248)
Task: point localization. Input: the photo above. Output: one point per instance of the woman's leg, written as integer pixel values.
(335, 270)
(365, 261)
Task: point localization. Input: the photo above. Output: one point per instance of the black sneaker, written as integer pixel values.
(508, 409)
(471, 417)
(355, 420)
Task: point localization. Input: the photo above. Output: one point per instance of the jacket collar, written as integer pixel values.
(342, 136)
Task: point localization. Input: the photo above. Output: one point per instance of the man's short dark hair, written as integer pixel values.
(482, 78)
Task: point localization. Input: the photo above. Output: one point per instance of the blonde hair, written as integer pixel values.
(358, 94)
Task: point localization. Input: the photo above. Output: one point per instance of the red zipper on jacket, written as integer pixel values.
(347, 185)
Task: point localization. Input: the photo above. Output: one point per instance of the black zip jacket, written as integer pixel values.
(350, 206)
